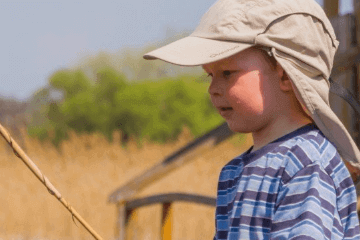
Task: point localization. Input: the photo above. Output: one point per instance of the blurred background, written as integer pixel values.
(41, 37)
(79, 98)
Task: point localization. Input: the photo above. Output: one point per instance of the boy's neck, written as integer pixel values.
(274, 131)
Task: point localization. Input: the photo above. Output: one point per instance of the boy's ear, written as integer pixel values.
(285, 82)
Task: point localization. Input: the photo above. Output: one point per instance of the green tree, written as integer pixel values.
(153, 109)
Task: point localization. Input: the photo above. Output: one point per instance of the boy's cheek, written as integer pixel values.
(212, 100)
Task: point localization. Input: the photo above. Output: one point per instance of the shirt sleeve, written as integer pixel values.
(306, 206)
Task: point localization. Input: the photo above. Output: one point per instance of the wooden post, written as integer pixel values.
(166, 221)
(331, 8)
(121, 221)
(357, 67)
(357, 16)
(344, 29)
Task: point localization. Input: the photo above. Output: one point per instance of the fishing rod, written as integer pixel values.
(51, 189)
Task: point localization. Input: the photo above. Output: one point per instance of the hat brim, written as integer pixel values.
(195, 51)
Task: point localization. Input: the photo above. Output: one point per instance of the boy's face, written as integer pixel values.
(245, 90)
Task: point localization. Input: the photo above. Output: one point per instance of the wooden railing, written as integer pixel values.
(177, 159)
(126, 208)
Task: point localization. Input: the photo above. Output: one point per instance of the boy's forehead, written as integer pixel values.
(218, 64)
(236, 59)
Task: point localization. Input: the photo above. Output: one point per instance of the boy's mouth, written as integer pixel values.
(225, 111)
(226, 108)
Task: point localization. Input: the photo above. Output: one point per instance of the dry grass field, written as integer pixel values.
(87, 171)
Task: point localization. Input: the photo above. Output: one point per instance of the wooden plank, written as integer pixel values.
(171, 197)
(344, 62)
(120, 230)
(331, 8)
(357, 74)
(348, 52)
(344, 30)
(166, 223)
(357, 29)
(357, 16)
(344, 27)
(357, 70)
(174, 161)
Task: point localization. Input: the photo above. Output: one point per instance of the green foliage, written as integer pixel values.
(154, 110)
(159, 110)
(70, 83)
(38, 123)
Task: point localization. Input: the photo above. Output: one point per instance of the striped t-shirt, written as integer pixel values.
(296, 187)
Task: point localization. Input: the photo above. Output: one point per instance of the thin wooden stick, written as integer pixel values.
(52, 190)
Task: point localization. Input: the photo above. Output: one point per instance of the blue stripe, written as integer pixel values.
(323, 147)
(308, 199)
(255, 229)
(295, 160)
(304, 222)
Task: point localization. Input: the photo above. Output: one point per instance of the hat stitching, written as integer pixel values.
(250, 5)
(225, 51)
(333, 38)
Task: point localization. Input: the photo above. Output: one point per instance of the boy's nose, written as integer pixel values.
(215, 89)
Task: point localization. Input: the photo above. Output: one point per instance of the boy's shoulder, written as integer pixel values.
(298, 152)
(308, 152)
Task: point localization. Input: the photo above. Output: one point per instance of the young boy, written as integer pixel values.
(270, 61)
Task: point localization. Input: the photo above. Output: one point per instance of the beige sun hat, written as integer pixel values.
(297, 33)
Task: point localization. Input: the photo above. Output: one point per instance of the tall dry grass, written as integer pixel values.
(87, 171)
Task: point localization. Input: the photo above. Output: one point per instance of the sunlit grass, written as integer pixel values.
(87, 171)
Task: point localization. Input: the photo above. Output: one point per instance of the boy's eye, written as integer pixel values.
(226, 73)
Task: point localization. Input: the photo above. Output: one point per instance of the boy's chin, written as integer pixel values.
(239, 128)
